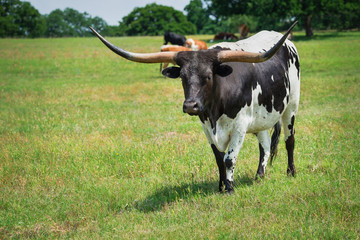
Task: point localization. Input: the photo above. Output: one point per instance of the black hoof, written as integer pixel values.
(221, 186)
(259, 176)
(229, 187)
(291, 172)
(260, 173)
(230, 192)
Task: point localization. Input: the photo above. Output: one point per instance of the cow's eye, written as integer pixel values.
(208, 78)
(205, 80)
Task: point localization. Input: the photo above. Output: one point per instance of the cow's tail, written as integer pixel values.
(274, 141)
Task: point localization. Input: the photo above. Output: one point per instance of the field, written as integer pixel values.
(94, 146)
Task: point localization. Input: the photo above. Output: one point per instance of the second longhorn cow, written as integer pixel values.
(249, 86)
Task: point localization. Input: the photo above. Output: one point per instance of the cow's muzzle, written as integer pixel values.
(191, 107)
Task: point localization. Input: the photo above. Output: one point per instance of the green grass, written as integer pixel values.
(94, 146)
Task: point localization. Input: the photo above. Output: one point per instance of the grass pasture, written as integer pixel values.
(94, 146)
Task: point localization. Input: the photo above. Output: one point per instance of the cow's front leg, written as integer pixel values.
(230, 157)
(264, 147)
(220, 162)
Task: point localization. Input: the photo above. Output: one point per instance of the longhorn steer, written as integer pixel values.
(237, 88)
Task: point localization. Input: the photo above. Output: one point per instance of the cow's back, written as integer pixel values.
(259, 42)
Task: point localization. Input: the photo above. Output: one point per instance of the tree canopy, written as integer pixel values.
(198, 15)
(155, 19)
(277, 14)
(72, 23)
(20, 19)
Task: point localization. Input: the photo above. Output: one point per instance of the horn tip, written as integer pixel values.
(293, 25)
(93, 30)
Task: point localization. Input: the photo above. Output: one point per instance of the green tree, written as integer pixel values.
(99, 24)
(197, 14)
(110, 31)
(338, 14)
(76, 21)
(56, 25)
(259, 14)
(154, 20)
(227, 7)
(71, 23)
(350, 17)
(278, 14)
(20, 19)
(8, 27)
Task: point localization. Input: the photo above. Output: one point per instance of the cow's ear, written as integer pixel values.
(223, 70)
(171, 72)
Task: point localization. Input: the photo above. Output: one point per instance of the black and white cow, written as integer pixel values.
(236, 88)
(174, 38)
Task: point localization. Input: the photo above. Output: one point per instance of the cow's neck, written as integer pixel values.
(212, 113)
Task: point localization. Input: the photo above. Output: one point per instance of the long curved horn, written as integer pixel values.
(240, 56)
(159, 57)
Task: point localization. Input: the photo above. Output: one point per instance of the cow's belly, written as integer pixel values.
(262, 119)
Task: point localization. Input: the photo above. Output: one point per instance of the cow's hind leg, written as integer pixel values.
(220, 162)
(289, 131)
(264, 146)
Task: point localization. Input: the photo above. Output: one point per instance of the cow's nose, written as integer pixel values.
(191, 107)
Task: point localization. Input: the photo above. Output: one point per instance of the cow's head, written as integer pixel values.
(197, 69)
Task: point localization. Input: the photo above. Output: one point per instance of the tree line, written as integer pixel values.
(21, 19)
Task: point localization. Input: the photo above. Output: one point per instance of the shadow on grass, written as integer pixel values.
(169, 194)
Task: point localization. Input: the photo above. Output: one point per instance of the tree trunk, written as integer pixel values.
(308, 29)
